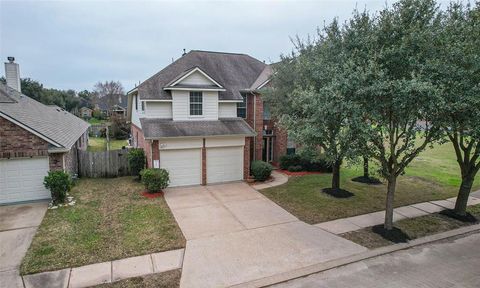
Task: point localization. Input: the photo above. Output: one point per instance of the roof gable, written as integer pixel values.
(234, 72)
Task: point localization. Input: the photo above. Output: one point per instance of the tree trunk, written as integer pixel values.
(463, 193)
(392, 182)
(366, 174)
(336, 175)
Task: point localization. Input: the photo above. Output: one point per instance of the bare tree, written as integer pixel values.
(111, 90)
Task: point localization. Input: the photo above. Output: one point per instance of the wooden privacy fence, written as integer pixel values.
(111, 163)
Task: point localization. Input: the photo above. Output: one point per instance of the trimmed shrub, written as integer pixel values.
(136, 160)
(155, 179)
(289, 160)
(295, 168)
(307, 162)
(261, 170)
(59, 183)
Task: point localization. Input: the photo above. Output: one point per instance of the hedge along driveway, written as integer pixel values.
(110, 220)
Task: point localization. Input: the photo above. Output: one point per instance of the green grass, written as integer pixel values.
(168, 279)
(414, 227)
(97, 144)
(117, 144)
(433, 176)
(110, 220)
(95, 121)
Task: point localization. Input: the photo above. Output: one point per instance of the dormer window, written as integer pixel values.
(196, 103)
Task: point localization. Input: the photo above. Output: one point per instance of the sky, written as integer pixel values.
(75, 44)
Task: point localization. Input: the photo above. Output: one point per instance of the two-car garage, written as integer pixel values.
(182, 158)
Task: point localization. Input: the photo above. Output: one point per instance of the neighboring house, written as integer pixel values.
(203, 119)
(34, 139)
(85, 112)
(112, 104)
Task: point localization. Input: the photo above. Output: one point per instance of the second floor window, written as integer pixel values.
(196, 103)
(242, 107)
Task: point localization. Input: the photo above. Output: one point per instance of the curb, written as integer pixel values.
(305, 271)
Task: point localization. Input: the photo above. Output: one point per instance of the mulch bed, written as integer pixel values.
(152, 195)
(395, 235)
(299, 173)
(338, 193)
(367, 180)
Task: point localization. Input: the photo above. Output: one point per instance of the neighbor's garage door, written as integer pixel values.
(22, 180)
(224, 164)
(183, 165)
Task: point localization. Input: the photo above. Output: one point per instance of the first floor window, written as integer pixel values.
(242, 107)
(196, 103)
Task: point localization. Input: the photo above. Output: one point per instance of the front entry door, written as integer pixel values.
(267, 152)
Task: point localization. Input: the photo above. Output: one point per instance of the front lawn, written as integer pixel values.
(433, 176)
(414, 227)
(95, 121)
(109, 221)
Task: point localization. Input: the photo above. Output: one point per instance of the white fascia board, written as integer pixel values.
(194, 89)
(263, 84)
(207, 136)
(30, 130)
(157, 100)
(190, 73)
(133, 90)
(230, 101)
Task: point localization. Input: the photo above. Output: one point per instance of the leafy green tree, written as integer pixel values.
(394, 96)
(456, 70)
(311, 97)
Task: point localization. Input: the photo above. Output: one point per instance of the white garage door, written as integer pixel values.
(183, 166)
(224, 164)
(22, 180)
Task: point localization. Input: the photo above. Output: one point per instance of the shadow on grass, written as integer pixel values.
(367, 180)
(467, 218)
(395, 235)
(337, 193)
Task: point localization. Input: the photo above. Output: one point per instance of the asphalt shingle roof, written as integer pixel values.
(235, 72)
(54, 123)
(163, 128)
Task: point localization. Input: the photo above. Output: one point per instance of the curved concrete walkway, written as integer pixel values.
(236, 235)
(278, 179)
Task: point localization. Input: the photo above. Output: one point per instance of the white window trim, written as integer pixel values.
(246, 107)
(189, 110)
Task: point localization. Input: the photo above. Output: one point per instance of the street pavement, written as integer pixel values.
(447, 264)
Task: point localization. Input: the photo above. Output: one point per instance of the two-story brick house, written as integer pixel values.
(203, 118)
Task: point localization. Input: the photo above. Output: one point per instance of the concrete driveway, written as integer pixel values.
(235, 234)
(18, 224)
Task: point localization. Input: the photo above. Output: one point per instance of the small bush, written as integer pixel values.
(155, 179)
(59, 183)
(289, 160)
(295, 168)
(261, 170)
(136, 161)
(306, 162)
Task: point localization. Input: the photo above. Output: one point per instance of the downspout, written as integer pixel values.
(254, 126)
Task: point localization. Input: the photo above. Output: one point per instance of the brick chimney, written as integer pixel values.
(12, 74)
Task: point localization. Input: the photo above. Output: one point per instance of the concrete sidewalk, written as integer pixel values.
(354, 223)
(107, 272)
